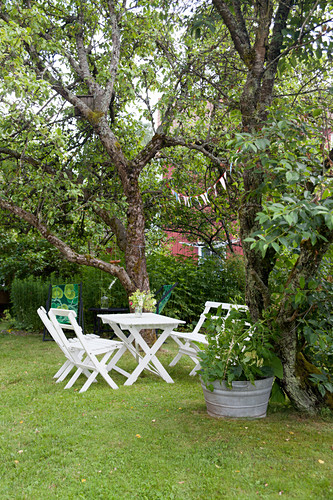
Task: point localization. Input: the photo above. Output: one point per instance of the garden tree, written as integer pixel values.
(259, 85)
(71, 177)
(284, 170)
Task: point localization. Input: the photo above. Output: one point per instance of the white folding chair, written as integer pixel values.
(90, 348)
(71, 355)
(189, 343)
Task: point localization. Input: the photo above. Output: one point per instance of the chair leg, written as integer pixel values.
(89, 381)
(175, 360)
(109, 380)
(62, 369)
(74, 378)
(112, 363)
(65, 373)
(195, 369)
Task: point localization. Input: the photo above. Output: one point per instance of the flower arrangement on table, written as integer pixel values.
(143, 300)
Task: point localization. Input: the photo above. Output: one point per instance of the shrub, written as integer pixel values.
(211, 279)
(26, 296)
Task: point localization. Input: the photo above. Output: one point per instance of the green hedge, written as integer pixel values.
(26, 296)
(211, 279)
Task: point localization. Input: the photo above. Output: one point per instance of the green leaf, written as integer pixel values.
(326, 194)
(262, 143)
(312, 285)
(316, 112)
(276, 364)
(288, 218)
(277, 395)
(302, 282)
(299, 297)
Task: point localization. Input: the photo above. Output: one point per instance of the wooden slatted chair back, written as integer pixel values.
(56, 333)
(48, 324)
(188, 342)
(53, 315)
(214, 305)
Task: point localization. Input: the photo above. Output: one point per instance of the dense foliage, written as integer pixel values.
(210, 280)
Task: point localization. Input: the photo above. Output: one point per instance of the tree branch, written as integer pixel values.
(116, 226)
(236, 26)
(273, 54)
(113, 68)
(65, 249)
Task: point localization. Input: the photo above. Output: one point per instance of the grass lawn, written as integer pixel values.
(152, 440)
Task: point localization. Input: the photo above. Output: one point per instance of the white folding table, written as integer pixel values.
(134, 324)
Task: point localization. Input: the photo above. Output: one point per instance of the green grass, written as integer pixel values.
(149, 441)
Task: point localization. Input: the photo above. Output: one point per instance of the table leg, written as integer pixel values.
(150, 356)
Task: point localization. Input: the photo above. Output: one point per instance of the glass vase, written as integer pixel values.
(138, 311)
(104, 302)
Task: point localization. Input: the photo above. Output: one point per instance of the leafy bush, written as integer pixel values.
(211, 279)
(26, 296)
(236, 350)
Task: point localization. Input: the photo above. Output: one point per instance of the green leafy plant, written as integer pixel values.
(211, 279)
(236, 350)
(145, 300)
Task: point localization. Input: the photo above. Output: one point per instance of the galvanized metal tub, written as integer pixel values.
(242, 400)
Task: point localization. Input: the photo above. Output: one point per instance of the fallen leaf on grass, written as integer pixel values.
(137, 435)
(321, 461)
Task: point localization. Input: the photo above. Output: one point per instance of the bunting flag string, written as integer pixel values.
(203, 197)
